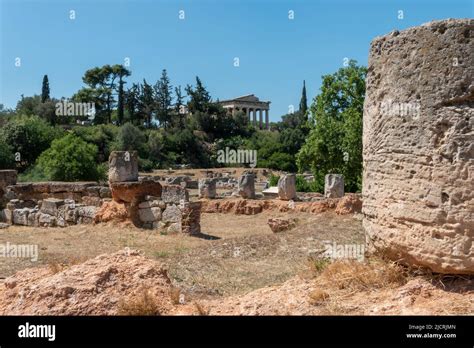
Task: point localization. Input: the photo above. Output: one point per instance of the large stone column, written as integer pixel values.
(418, 146)
(260, 118)
(254, 117)
(267, 120)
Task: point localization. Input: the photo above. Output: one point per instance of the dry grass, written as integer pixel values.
(318, 296)
(175, 294)
(55, 267)
(145, 304)
(201, 310)
(373, 274)
(316, 266)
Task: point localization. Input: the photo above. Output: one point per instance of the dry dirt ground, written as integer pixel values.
(237, 266)
(234, 254)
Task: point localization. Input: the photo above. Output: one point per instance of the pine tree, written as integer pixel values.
(200, 99)
(45, 89)
(303, 101)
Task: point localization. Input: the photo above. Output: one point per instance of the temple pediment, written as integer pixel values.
(248, 98)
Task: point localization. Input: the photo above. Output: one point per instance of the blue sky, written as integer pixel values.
(276, 53)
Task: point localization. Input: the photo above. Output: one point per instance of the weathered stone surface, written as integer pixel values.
(105, 192)
(334, 186)
(134, 191)
(207, 188)
(20, 216)
(191, 218)
(287, 187)
(150, 214)
(50, 205)
(174, 194)
(123, 166)
(247, 186)
(152, 204)
(177, 180)
(14, 204)
(280, 224)
(88, 200)
(7, 216)
(33, 218)
(4, 225)
(93, 191)
(46, 220)
(87, 211)
(68, 212)
(172, 213)
(418, 146)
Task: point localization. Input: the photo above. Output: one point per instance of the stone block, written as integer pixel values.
(105, 192)
(246, 188)
(123, 166)
(20, 216)
(150, 214)
(207, 188)
(287, 187)
(135, 191)
(334, 186)
(174, 194)
(50, 205)
(172, 213)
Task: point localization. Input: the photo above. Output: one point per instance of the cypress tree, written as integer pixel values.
(303, 101)
(45, 89)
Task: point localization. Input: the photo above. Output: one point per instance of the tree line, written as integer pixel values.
(168, 127)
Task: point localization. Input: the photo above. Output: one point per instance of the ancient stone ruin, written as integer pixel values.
(287, 187)
(49, 204)
(334, 186)
(145, 202)
(148, 204)
(418, 185)
(246, 188)
(207, 188)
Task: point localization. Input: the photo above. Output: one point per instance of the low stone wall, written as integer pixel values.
(50, 212)
(90, 193)
(50, 204)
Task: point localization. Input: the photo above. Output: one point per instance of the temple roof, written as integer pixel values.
(244, 98)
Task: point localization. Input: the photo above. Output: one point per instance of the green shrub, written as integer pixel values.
(6, 156)
(131, 138)
(29, 136)
(274, 180)
(32, 174)
(70, 159)
(145, 165)
(103, 136)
